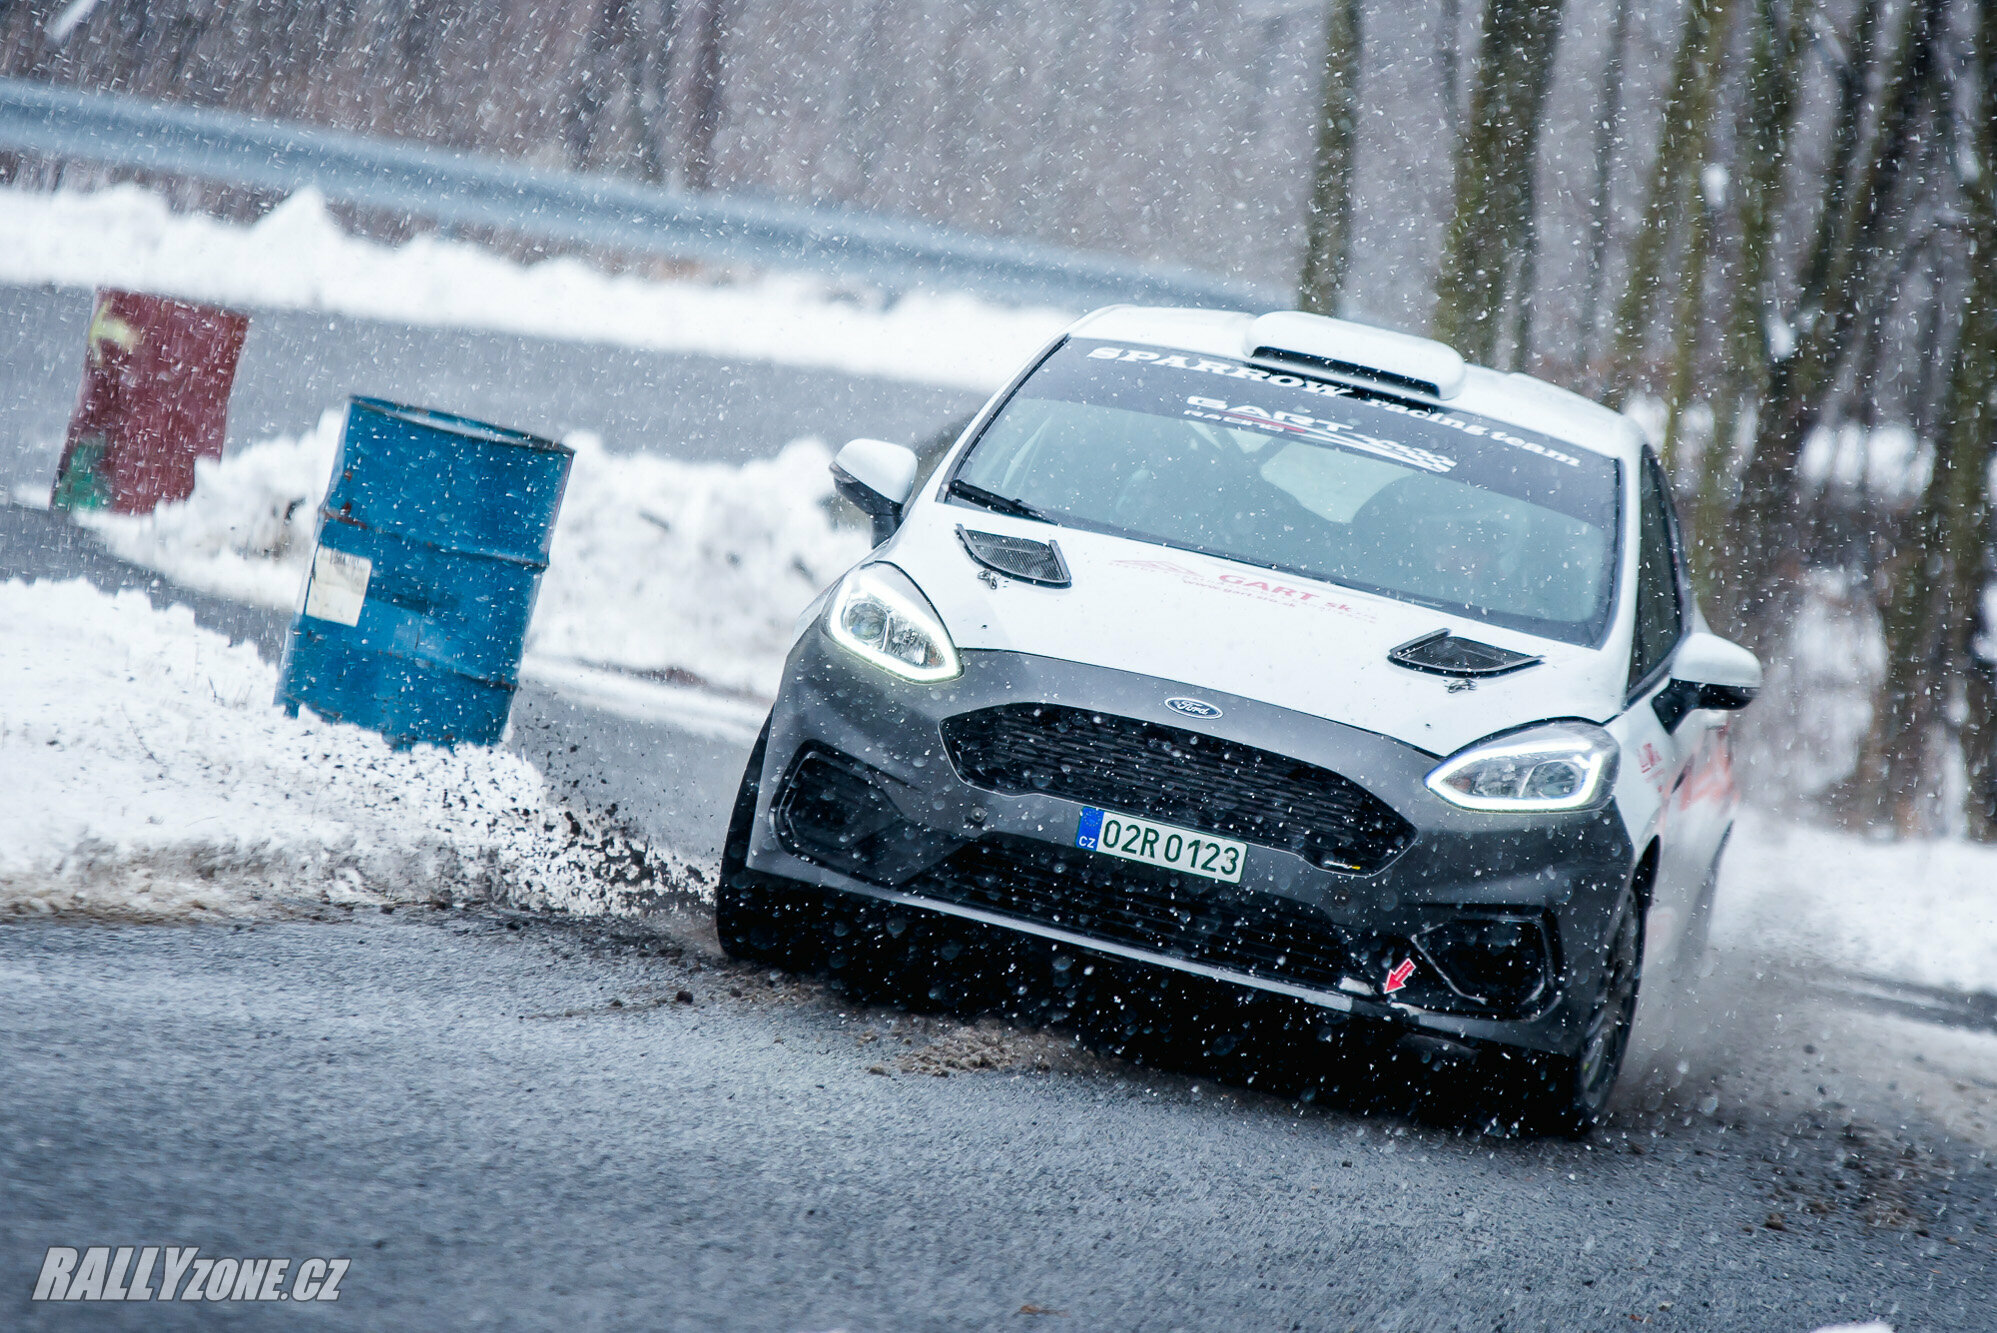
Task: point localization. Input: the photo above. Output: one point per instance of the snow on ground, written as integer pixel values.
(661, 567)
(1921, 910)
(659, 564)
(298, 257)
(145, 771)
(245, 533)
(1804, 733)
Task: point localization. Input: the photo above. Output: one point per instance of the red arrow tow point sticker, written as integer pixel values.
(1399, 976)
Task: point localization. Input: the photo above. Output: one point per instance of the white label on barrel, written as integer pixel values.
(339, 586)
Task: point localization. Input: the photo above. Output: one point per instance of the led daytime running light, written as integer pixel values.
(892, 628)
(1564, 766)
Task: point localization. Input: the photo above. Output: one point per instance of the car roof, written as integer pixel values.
(1388, 360)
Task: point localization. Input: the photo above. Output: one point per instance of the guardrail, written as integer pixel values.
(455, 188)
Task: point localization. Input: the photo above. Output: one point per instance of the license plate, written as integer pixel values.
(1157, 844)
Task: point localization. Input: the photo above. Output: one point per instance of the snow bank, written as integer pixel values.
(1916, 910)
(297, 257)
(662, 567)
(1804, 733)
(246, 531)
(144, 771)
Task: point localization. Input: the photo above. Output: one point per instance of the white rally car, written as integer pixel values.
(1281, 650)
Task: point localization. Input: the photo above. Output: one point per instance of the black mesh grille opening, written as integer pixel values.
(1179, 916)
(830, 810)
(1179, 777)
(1496, 962)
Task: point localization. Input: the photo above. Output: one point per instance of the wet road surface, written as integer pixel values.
(528, 1128)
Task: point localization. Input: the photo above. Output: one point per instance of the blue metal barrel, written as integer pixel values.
(431, 544)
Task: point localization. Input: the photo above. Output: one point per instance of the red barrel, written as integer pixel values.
(155, 397)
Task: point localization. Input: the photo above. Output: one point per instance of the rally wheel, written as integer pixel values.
(758, 917)
(1568, 1094)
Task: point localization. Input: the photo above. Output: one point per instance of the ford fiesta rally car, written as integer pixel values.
(1285, 651)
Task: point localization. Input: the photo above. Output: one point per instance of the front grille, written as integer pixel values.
(1178, 777)
(1180, 916)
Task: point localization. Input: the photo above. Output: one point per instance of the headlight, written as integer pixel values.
(1561, 766)
(878, 614)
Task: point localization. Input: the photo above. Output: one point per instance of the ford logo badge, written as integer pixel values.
(1192, 707)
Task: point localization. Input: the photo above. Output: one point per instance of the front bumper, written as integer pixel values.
(866, 752)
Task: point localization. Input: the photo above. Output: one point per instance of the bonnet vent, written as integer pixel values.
(1358, 350)
(1446, 654)
(1017, 557)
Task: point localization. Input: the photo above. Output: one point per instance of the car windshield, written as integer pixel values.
(1469, 515)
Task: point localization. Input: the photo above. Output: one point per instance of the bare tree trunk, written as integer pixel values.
(1496, 157)
(1933, 585)
(1979, 735)
(1761, 153)
(704, 97)
(1525, 282)
(1935, 604)
(1687, 323)
(1971, 540)
(1608, 122)
(1683, 131)
(1854, 73)
(1760, 573)
(610, 34)
(646, 62)
(1328, 234)
(1893, 781)
(1448, 45)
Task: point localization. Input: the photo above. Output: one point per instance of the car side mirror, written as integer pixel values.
(1707, 672)
(878, 477)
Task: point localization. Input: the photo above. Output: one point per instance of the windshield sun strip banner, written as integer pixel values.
(1474, 427)
(1464, 447)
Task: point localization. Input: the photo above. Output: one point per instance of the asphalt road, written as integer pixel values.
(297, 364)
(527, 1128)
(515, 1121)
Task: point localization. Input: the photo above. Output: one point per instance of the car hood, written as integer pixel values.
(1233, 628)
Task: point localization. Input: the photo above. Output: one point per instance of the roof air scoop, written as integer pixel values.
(1017, 557)
(1399, 360)
(1444, 654)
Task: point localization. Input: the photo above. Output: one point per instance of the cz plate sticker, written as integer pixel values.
(1155, 844)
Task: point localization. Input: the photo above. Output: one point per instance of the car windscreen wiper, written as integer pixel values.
(992, 500)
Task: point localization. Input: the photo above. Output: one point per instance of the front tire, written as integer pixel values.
(758, 917)
(1568, 1094)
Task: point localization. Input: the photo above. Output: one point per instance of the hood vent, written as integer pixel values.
(1446, 654)
(1017, 557)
